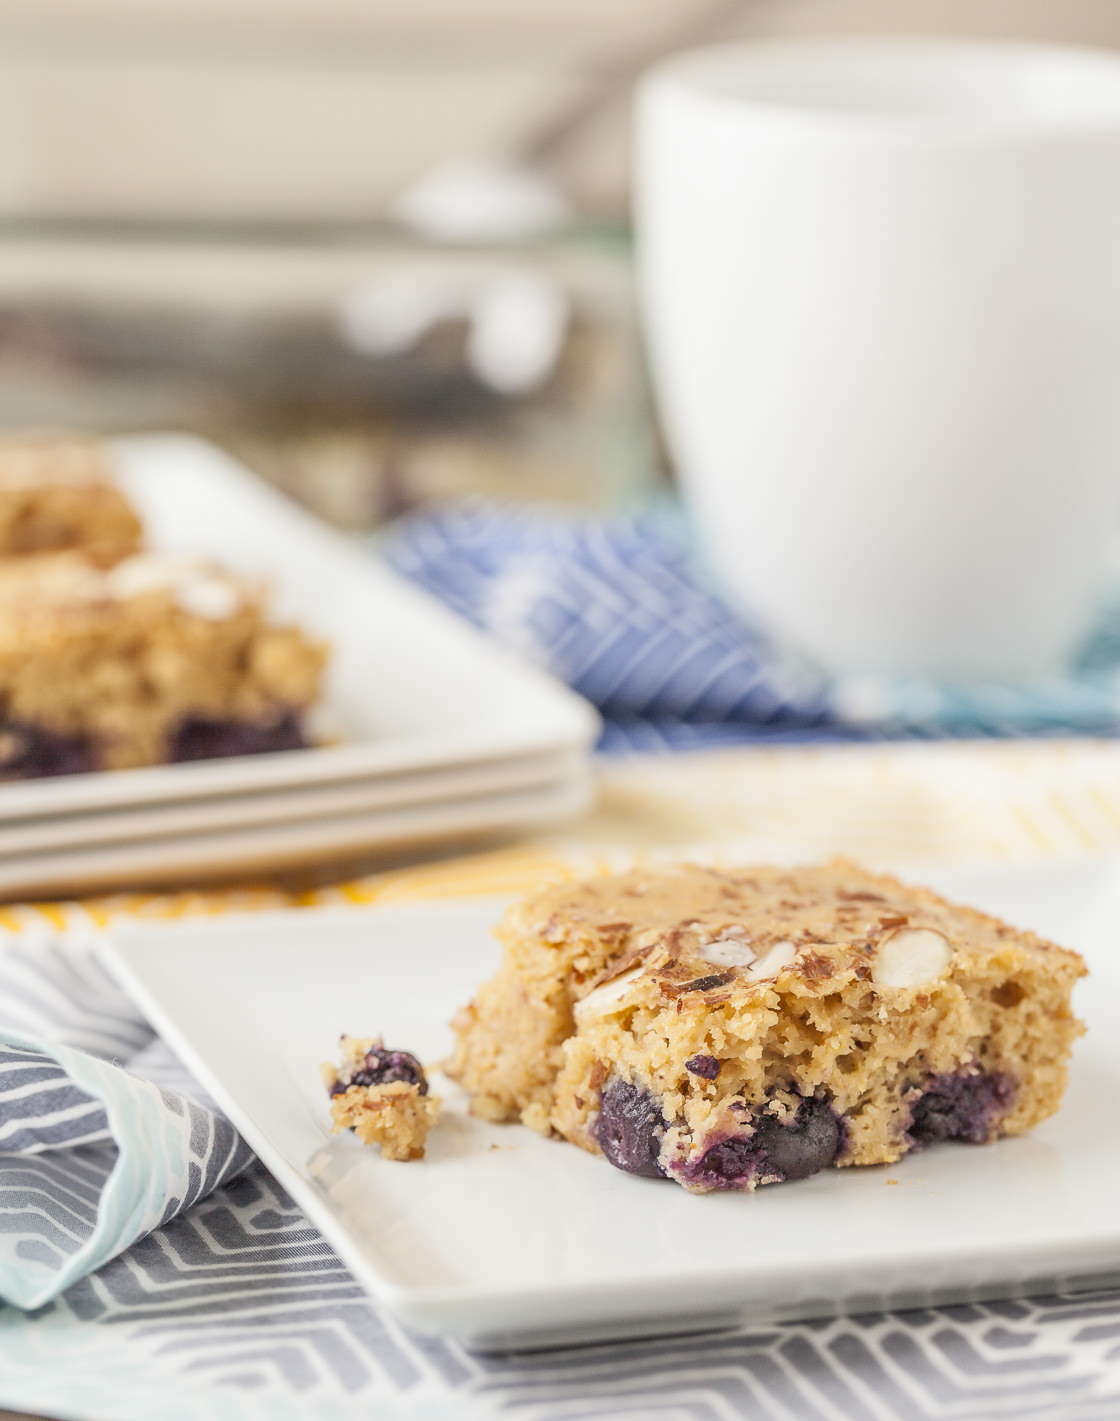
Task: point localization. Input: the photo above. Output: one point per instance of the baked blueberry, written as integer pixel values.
(380, 1066)
(630, 1129)
(200, 739)
(963, 1105)
(801, 1145)
(774, 1149)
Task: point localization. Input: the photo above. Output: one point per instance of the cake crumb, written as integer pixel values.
(382, 1096)
(396, 1117)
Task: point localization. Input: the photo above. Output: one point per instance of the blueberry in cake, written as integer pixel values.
(732, 1028)
(151, 660)
(381, 1095)
(57, 493)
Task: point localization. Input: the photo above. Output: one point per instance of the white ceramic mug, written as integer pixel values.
(881, 288)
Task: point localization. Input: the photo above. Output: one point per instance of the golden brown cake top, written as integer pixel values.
(58, 492)
(733, 933)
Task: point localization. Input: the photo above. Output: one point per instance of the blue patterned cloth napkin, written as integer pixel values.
(623, 612)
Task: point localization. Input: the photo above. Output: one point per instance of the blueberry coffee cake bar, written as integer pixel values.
(57, 493)
(381, 1095)
(731, 1028)
(154, 659)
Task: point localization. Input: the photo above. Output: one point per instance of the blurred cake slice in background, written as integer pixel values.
(57, 492)
(153, 660)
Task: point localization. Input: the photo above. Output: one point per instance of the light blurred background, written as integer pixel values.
(377, 248)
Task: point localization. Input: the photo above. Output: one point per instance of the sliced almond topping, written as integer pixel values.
(211, 599)
(911, 957)
(728, 951)
(777, 957)
(608, 998)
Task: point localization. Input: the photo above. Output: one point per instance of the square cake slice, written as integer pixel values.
(57, 492)
(731, 1028)
(155, 659)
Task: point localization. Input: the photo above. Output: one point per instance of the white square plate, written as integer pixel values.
(294, 839)
(145, 823)
(410, 686)
(508, 1240)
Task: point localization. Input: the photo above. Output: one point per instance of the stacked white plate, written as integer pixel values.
(430, 731)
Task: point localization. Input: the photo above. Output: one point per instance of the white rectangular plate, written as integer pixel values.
(220, 852)
(410, 685)
(506, 1239)
(450, 784)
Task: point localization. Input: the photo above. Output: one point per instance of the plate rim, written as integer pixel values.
(309, 841)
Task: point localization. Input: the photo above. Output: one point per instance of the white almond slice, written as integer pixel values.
(198, 591)
(728, 952)
(148, 572)
(608, 998)
(777, 957)
(209, 598)
(912, 957)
